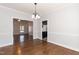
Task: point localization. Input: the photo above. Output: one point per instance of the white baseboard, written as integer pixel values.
(6, 44)
(65, 46)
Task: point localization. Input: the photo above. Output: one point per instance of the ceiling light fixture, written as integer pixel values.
(35, 14)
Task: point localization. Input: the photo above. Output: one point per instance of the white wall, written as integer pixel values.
(63, 26)
(35, 28)
(39, 27)
(6, 24)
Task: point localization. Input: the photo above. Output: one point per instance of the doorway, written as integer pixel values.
(44, 30)
(22, 30)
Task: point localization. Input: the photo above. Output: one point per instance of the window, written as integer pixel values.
(21, 28)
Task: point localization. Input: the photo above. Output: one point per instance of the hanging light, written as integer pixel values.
(35, 14)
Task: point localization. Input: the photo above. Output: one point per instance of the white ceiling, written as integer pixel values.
(29, 7)
(42, 8)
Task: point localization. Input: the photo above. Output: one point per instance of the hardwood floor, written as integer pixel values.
(35, 47)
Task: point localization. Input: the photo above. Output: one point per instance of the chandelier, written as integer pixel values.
(35, 14)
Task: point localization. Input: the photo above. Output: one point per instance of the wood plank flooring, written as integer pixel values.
(36, 47)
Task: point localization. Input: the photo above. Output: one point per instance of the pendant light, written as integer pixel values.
(35, 14)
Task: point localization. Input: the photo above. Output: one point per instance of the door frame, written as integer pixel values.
(46, 30)
(14, 34)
